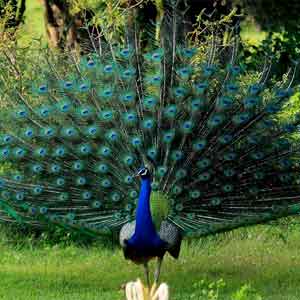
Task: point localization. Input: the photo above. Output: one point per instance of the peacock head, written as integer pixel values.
(143, 172)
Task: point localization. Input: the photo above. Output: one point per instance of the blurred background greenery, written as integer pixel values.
(268, 26)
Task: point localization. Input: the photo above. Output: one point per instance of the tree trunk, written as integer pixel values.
(61, 27)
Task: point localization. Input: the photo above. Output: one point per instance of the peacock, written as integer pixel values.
(140, 240)
(157, 143)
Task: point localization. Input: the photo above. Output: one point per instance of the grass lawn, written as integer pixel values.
(257, 256)
(34, 27)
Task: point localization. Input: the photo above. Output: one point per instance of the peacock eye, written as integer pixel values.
(83, 87)
(91, 63)
(43, 88)
(68, 84)
(108, 69)
(127, 73)
(125, 52)
(155, 56)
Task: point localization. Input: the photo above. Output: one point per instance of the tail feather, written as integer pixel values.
(78, 128)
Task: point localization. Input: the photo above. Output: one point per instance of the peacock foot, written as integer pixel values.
(135, 290)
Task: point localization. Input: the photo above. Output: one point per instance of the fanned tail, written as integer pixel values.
(75, 130)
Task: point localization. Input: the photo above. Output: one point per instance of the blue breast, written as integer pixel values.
(145, 237)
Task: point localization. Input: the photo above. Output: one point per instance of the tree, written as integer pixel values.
(279, 18)
(64, 29)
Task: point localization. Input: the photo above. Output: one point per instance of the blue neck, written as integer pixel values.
(145, 237)
(144, 223)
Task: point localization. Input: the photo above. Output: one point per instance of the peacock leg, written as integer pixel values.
(146, 268)
(157, 271)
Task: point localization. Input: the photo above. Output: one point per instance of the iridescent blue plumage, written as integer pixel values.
(145, 239)
(140, 240)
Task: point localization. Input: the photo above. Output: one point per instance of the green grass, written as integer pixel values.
(34, 27)
(267, 260)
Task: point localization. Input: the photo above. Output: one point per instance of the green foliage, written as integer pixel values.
(246, 292)
(111, 17)
(279, 20)
(273, 15)
(282, 47)
(214, 290)
(108, 15)
(11, 13)
(207, 290)
(7, 13)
